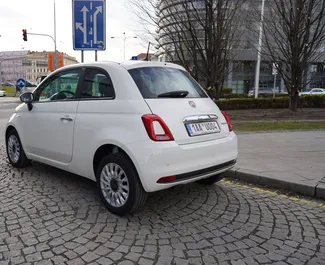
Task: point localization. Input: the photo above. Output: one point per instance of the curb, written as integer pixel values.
(320, 190)
(312, 190)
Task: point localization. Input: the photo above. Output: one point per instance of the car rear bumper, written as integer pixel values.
(186, 163)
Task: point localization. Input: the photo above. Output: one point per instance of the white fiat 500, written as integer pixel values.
(135, 127)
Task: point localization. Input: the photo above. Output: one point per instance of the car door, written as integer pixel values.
(49, 125)
(97, 112)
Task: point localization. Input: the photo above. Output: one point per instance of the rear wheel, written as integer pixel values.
(15, 151)
(210, 180)
(119, 185)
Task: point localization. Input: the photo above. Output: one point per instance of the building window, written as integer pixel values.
(313, 68)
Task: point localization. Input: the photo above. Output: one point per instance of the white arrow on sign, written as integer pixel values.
(79, 26)
(99, 10)
(84, 27)
(85, 10)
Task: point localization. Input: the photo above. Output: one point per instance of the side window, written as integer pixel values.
(97, 84)
(62, 86)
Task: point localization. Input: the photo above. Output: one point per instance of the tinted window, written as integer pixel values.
(97, 84)
(153, 81)
(62, 86)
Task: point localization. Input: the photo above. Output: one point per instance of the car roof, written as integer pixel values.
(139, 64)
(126, 65)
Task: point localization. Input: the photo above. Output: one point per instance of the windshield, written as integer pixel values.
(158, 82)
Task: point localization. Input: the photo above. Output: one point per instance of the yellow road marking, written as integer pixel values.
(273, 193)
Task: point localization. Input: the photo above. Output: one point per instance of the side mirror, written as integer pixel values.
(27, 98)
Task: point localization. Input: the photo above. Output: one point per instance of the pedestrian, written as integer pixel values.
(17, 91)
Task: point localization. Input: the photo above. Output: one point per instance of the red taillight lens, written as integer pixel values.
(166, 179)
(227, 120)
(156, 128)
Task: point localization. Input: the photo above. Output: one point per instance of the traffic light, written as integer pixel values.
(24, 34)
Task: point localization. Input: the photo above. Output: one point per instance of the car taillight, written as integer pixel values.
(166, 179)
(156, 128)
(227, 120)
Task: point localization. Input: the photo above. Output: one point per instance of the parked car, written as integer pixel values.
(7, 84)
(314, 91)
(266, 92)
(135, 127)
(2, 93)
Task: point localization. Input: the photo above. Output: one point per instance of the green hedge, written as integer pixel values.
(235, 96)
(242, 95)
(310, 101)
(226, 90)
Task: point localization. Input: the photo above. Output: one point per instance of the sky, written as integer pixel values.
(37, 16)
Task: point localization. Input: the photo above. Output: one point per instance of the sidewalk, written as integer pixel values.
(286, 160)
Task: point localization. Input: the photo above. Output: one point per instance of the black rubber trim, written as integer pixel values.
(198, 173)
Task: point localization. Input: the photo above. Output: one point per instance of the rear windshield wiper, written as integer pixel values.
(174, 94)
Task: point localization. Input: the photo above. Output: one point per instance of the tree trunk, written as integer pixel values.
(293, 103)
(217, 91)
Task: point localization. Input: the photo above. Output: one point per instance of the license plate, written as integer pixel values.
(202, 128)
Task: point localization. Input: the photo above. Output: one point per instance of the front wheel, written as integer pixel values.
(15, 151)
(119, 185)
(210, 180)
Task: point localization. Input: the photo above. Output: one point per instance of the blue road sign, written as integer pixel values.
(134, 58)
(21, 82)
(89, 24)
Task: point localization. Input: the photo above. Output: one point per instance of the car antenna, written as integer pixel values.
(147, 56)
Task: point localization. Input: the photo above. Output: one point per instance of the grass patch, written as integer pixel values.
(277, 126)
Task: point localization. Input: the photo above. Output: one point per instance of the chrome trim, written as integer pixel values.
(200, 118)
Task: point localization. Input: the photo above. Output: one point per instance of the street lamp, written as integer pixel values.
(124, 38)
(259, 50)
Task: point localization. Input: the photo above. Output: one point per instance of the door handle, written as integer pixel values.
(66, 119)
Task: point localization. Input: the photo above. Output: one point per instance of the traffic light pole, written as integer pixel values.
(55, 52)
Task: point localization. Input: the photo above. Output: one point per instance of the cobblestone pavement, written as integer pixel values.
(51, 217)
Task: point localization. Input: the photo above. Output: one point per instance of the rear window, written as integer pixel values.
(154, 81)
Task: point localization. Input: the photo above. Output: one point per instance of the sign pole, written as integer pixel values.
(96, 55)
(82, 56)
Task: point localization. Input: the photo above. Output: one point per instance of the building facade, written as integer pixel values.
(240, 75)
(12, 65)
(30, 65)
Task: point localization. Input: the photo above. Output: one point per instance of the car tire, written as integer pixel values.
(15, 150)
(210, 180)
(122, 184)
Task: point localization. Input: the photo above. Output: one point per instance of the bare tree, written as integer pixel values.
(294, 33)
(199, 35)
